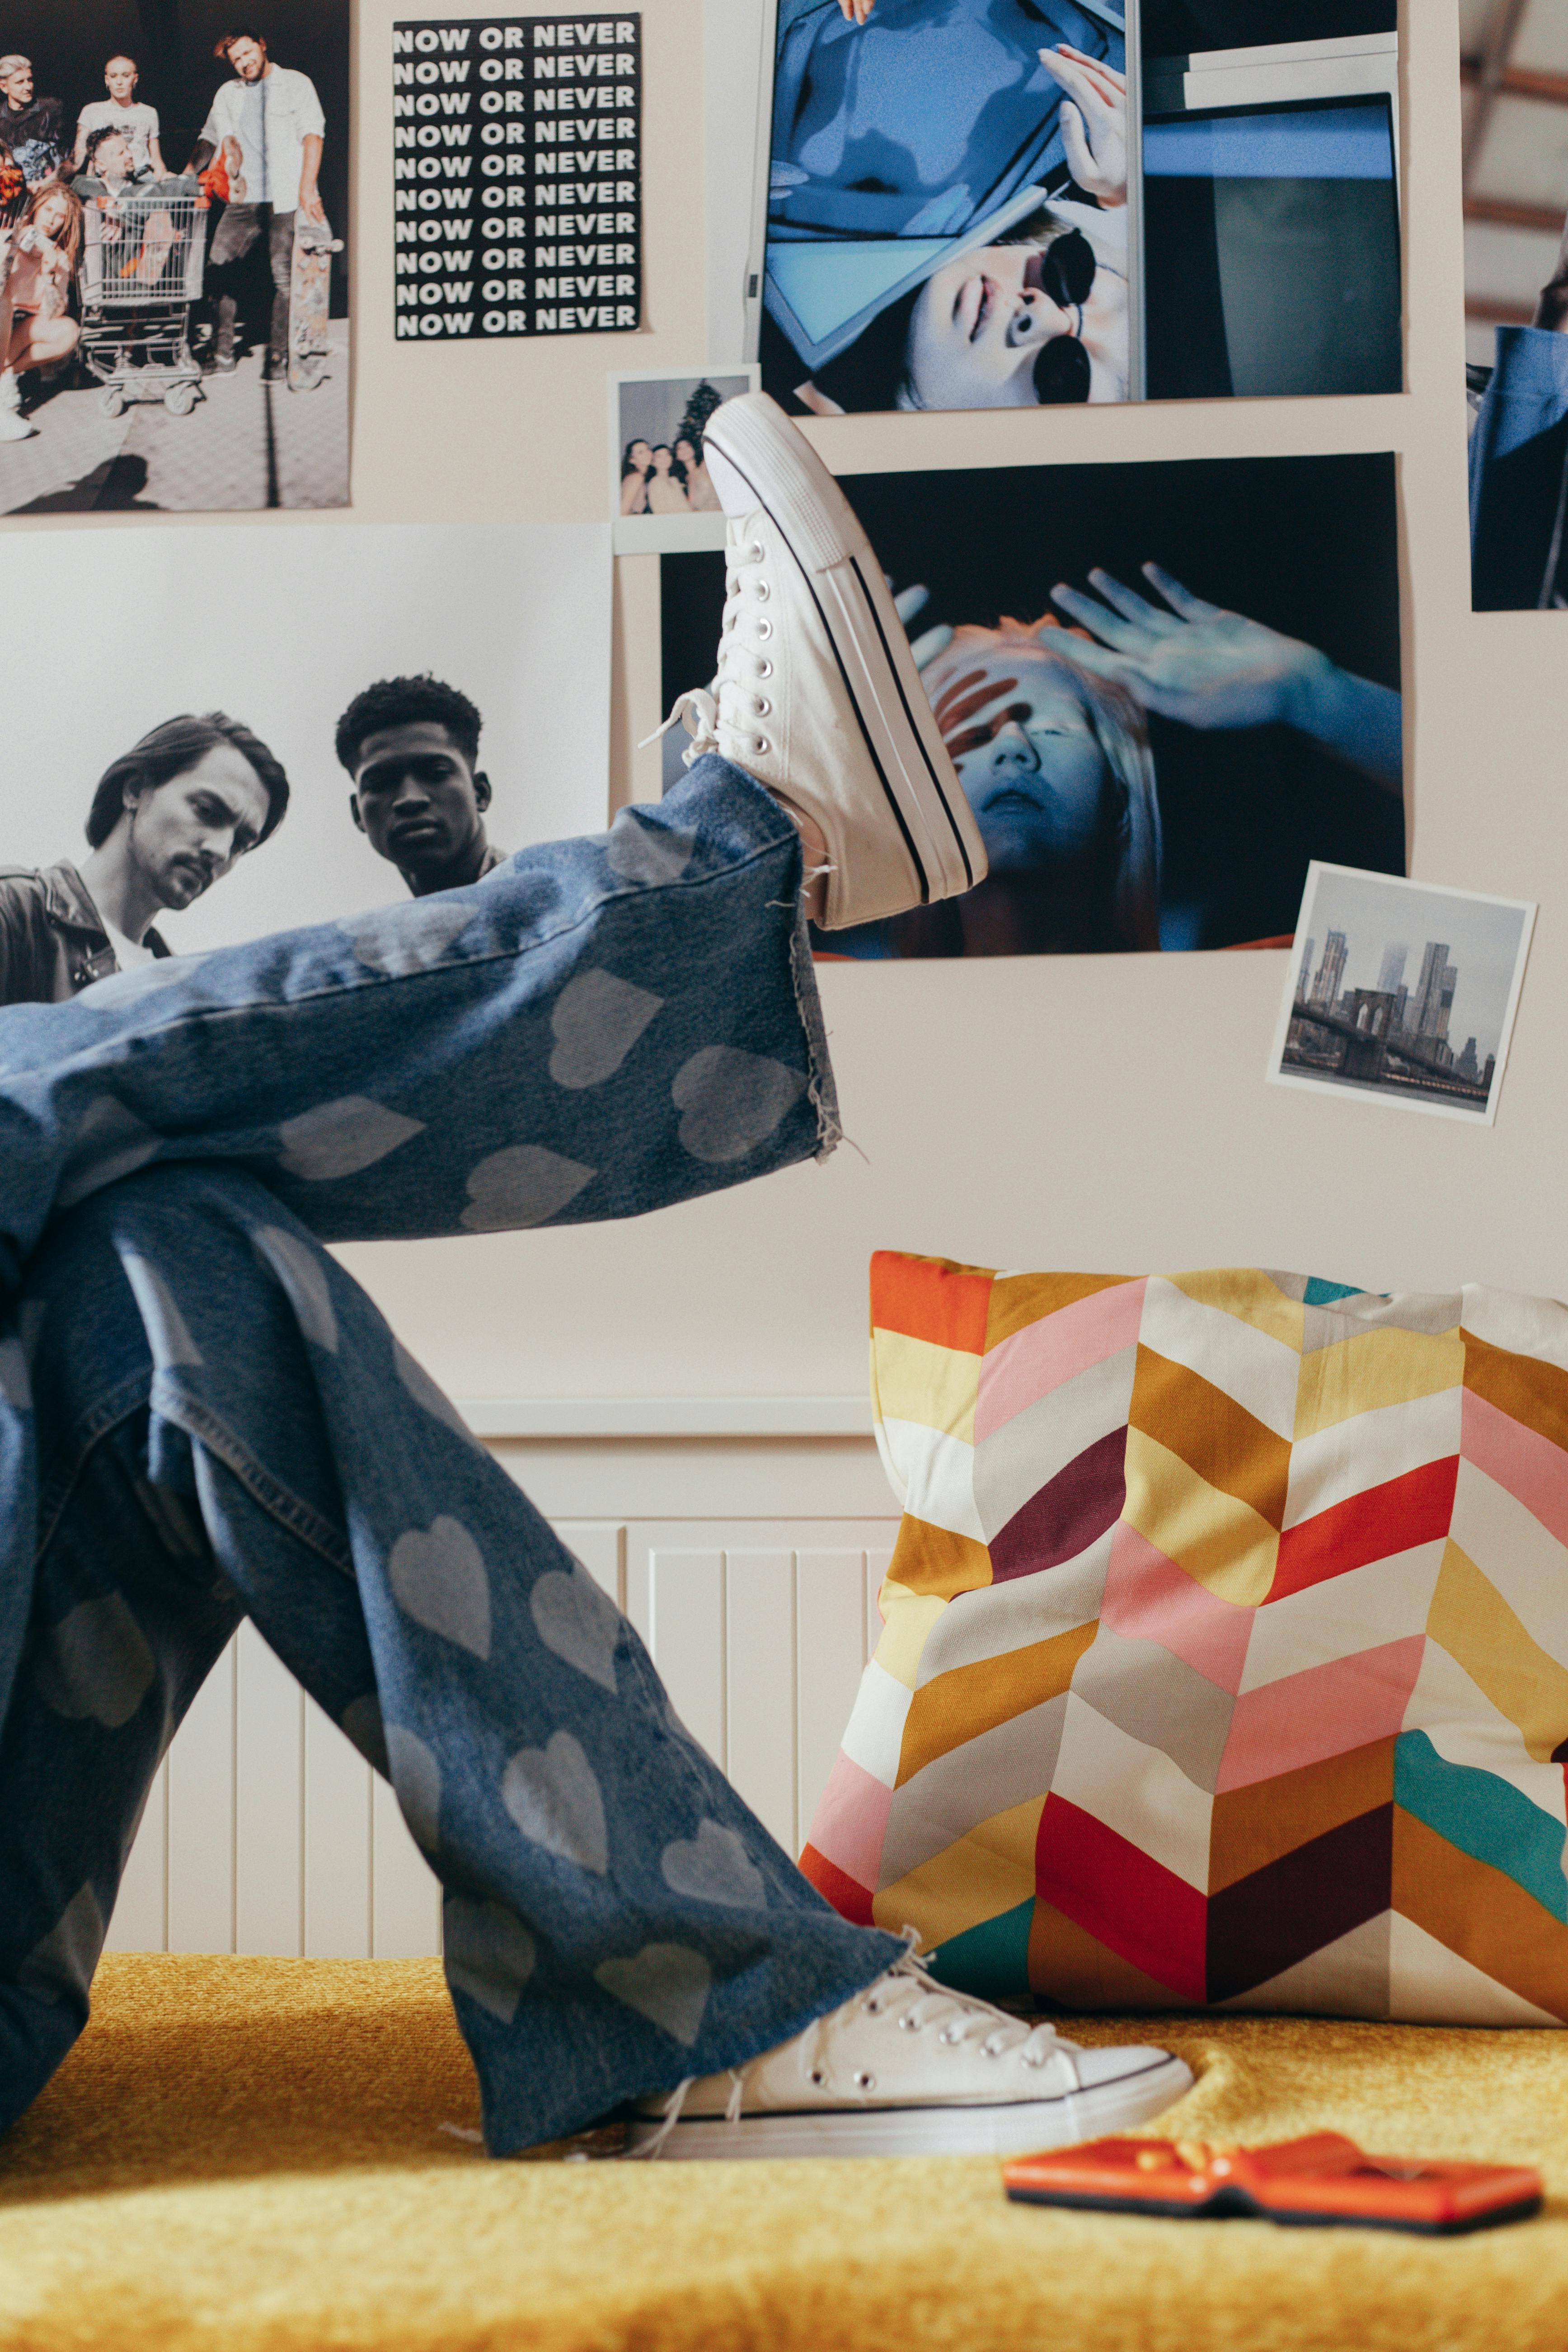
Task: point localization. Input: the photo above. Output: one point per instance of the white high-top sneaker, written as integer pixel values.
(908, 2068)
(817, 694)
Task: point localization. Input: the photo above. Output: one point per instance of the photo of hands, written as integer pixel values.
(973, 203)
(1166, 689)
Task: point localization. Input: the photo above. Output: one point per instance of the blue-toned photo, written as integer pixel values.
(1166, 688)
(957, 217)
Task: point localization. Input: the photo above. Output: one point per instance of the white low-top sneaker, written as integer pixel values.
(816, 693)
(15, 426)
(908, 2068)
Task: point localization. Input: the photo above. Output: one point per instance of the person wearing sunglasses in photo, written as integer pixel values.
(1039, 316)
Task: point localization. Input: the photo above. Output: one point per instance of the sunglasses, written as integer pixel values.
(1066, 275)
(1066, 269)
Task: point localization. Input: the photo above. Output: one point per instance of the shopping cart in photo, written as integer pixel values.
(143, 259)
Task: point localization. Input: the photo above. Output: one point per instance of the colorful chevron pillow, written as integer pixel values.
(1224, 1658)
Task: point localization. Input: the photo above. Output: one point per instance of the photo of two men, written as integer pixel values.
(379, 723)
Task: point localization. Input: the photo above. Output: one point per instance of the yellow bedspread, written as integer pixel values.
(253, 2153)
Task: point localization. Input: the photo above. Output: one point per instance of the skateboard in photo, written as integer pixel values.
(309, 301)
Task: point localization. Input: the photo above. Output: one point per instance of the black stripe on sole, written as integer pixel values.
(915, 859)
(908, 714)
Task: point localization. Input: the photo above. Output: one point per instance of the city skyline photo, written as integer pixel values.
(1402, 991)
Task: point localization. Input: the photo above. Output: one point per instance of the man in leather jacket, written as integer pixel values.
(167, 821)
(52, 940)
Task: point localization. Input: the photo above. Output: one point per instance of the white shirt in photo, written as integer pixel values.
(139, 123)
(272, 119)
(128, 953)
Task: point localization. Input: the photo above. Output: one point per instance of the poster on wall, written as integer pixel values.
(518, 176)
(986, 204)
(1166, 688)
(1387, 977)
(1514, 90)
(174, 224)
(391, 723)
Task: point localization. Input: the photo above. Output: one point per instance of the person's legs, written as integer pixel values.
(599, 1028)
(280, 252)
(235, 235)
(126, 1613)
(615, 1919)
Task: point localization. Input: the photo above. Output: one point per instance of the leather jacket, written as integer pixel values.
(52, 940)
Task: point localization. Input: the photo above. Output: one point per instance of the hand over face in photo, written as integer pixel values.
(1208, 667)
(1058, 771)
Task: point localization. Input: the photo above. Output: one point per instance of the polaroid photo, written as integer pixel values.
(1402, 992)
(661, 500)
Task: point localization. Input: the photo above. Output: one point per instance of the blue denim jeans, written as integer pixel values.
(202, 1417)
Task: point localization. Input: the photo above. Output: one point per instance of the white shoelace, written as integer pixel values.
(910, 1995)
(736, 699)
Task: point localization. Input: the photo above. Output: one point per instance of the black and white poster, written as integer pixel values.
(518, 176)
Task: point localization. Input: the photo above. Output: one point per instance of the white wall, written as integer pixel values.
(1107, 1113)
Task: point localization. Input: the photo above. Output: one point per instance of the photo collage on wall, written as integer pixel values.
(1172, 691)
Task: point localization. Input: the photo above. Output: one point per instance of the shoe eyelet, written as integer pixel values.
(764, 666)
(864, 2082)
(762, 592)
(762, 706)
(950, 2040)
(873, 2009)
(908, 2024)
(1033, 2059)
(764, 627)
(756, 551)
(817, 2076)
(762, 747)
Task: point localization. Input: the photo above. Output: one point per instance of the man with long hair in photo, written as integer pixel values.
(168, 819)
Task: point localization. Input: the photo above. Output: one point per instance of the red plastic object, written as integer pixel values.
(1323, 2181)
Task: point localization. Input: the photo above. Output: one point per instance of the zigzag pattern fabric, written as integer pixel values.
(1224, 1658)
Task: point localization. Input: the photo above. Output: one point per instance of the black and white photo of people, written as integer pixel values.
(947, 202)
(386, 722)
(1166, 688)
(174, 189)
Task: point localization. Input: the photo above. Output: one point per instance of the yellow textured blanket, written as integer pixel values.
(256, 2155)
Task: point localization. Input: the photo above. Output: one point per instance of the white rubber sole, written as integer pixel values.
(1014, 2130)
(783, 476)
